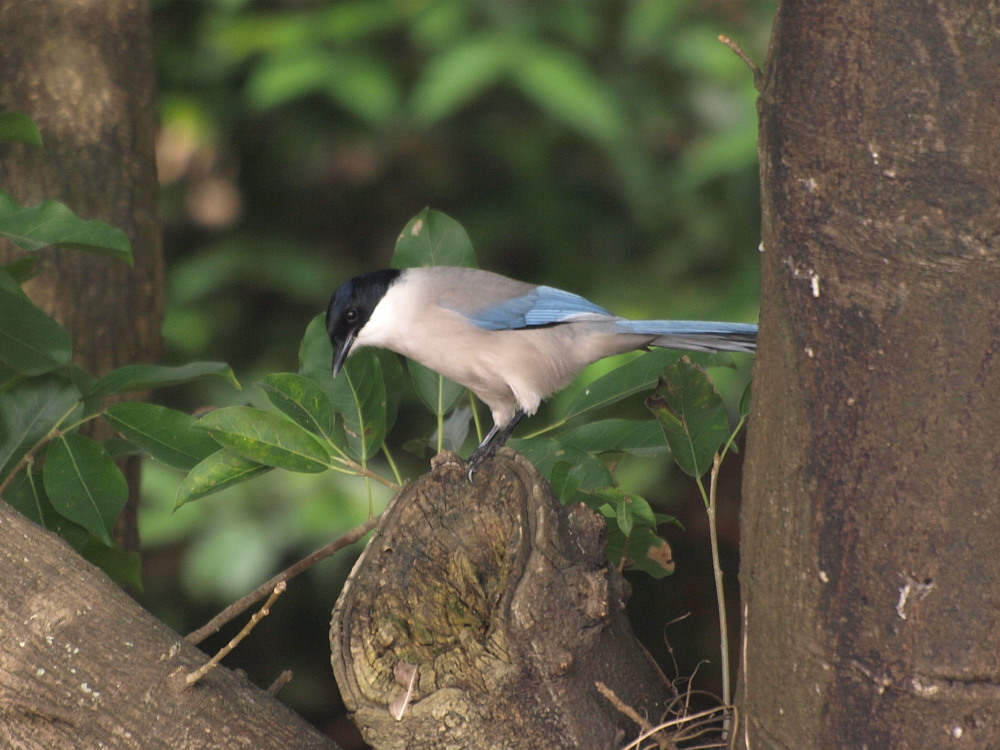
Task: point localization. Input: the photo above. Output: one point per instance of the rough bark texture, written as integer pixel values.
(505, 603)
(870, 521)
(83, 666)
(83, 70)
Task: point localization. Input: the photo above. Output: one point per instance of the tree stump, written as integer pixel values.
(485, 615)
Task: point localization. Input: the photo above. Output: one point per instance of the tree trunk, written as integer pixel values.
(870, 521)
(502, 604)
(83, 70)
(83, 666)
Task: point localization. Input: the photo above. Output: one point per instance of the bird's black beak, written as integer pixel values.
(340, 355)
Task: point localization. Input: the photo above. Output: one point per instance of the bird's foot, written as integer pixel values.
(493, 440)
(482, 453)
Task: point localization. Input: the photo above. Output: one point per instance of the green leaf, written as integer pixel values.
(692, 415)
(457, 75)
(316, 354)
(432, 238)
(623, 517)
(124, 568)
(394, 381)
(23, 269)
(143, 377)
(302, 400)
(638, 437)
(646, 25)
(84, 484)
(244, 34)
(438, 393)
(378, 376)
(745, 400)
(641, 510)
(31, 343)
(629, 511)
(30, 410)
(587, 471)
(52, 223)
(280, 78)
(718, 154)
(165, 434)
(365, 86)
(650, 553)
(221, 470)
(26, 493)
(662, 518)
(360, 83)
(266, 438)
(565, 482)
(640, 374)
(8, 283)
(16, 127)
(359, 397)
(561, 84)
(83, 381)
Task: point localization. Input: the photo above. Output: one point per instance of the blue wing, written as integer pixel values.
(542, 306)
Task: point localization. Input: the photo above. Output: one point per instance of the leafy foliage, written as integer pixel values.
(52, 223)
(84, 485)
(80, 491)
(32, 343)
(16, 127)
(696, 426)
(45, 399)
(432, 238)
(692, 415)
(342, 424)
(319, 423)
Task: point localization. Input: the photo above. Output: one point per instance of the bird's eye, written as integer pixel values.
(351, 315)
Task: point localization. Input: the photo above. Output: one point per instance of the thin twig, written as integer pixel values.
(283, 679)
(678, 722)
(720, 594)
(208, 666)
(622, 707)
(234, 609)
(58, 430)
(25, 461)
(363, 471)
(392, 465)
(755, 71)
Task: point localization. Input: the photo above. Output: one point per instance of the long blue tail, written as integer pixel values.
(696, 335)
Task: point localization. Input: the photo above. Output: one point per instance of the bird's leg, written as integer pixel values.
(493, 440)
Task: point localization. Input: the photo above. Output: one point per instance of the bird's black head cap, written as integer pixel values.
(350, 308)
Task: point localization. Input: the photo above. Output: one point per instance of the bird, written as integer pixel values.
(509, 342)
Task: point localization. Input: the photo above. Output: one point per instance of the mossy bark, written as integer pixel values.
(502, 603)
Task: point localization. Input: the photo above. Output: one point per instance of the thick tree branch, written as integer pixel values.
(82, 665)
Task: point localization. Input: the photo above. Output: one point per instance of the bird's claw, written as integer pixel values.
(481, 454)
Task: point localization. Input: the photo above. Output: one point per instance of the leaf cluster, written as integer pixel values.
(70, 483)
(49, 470)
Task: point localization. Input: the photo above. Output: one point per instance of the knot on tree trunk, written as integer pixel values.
(483, 615)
